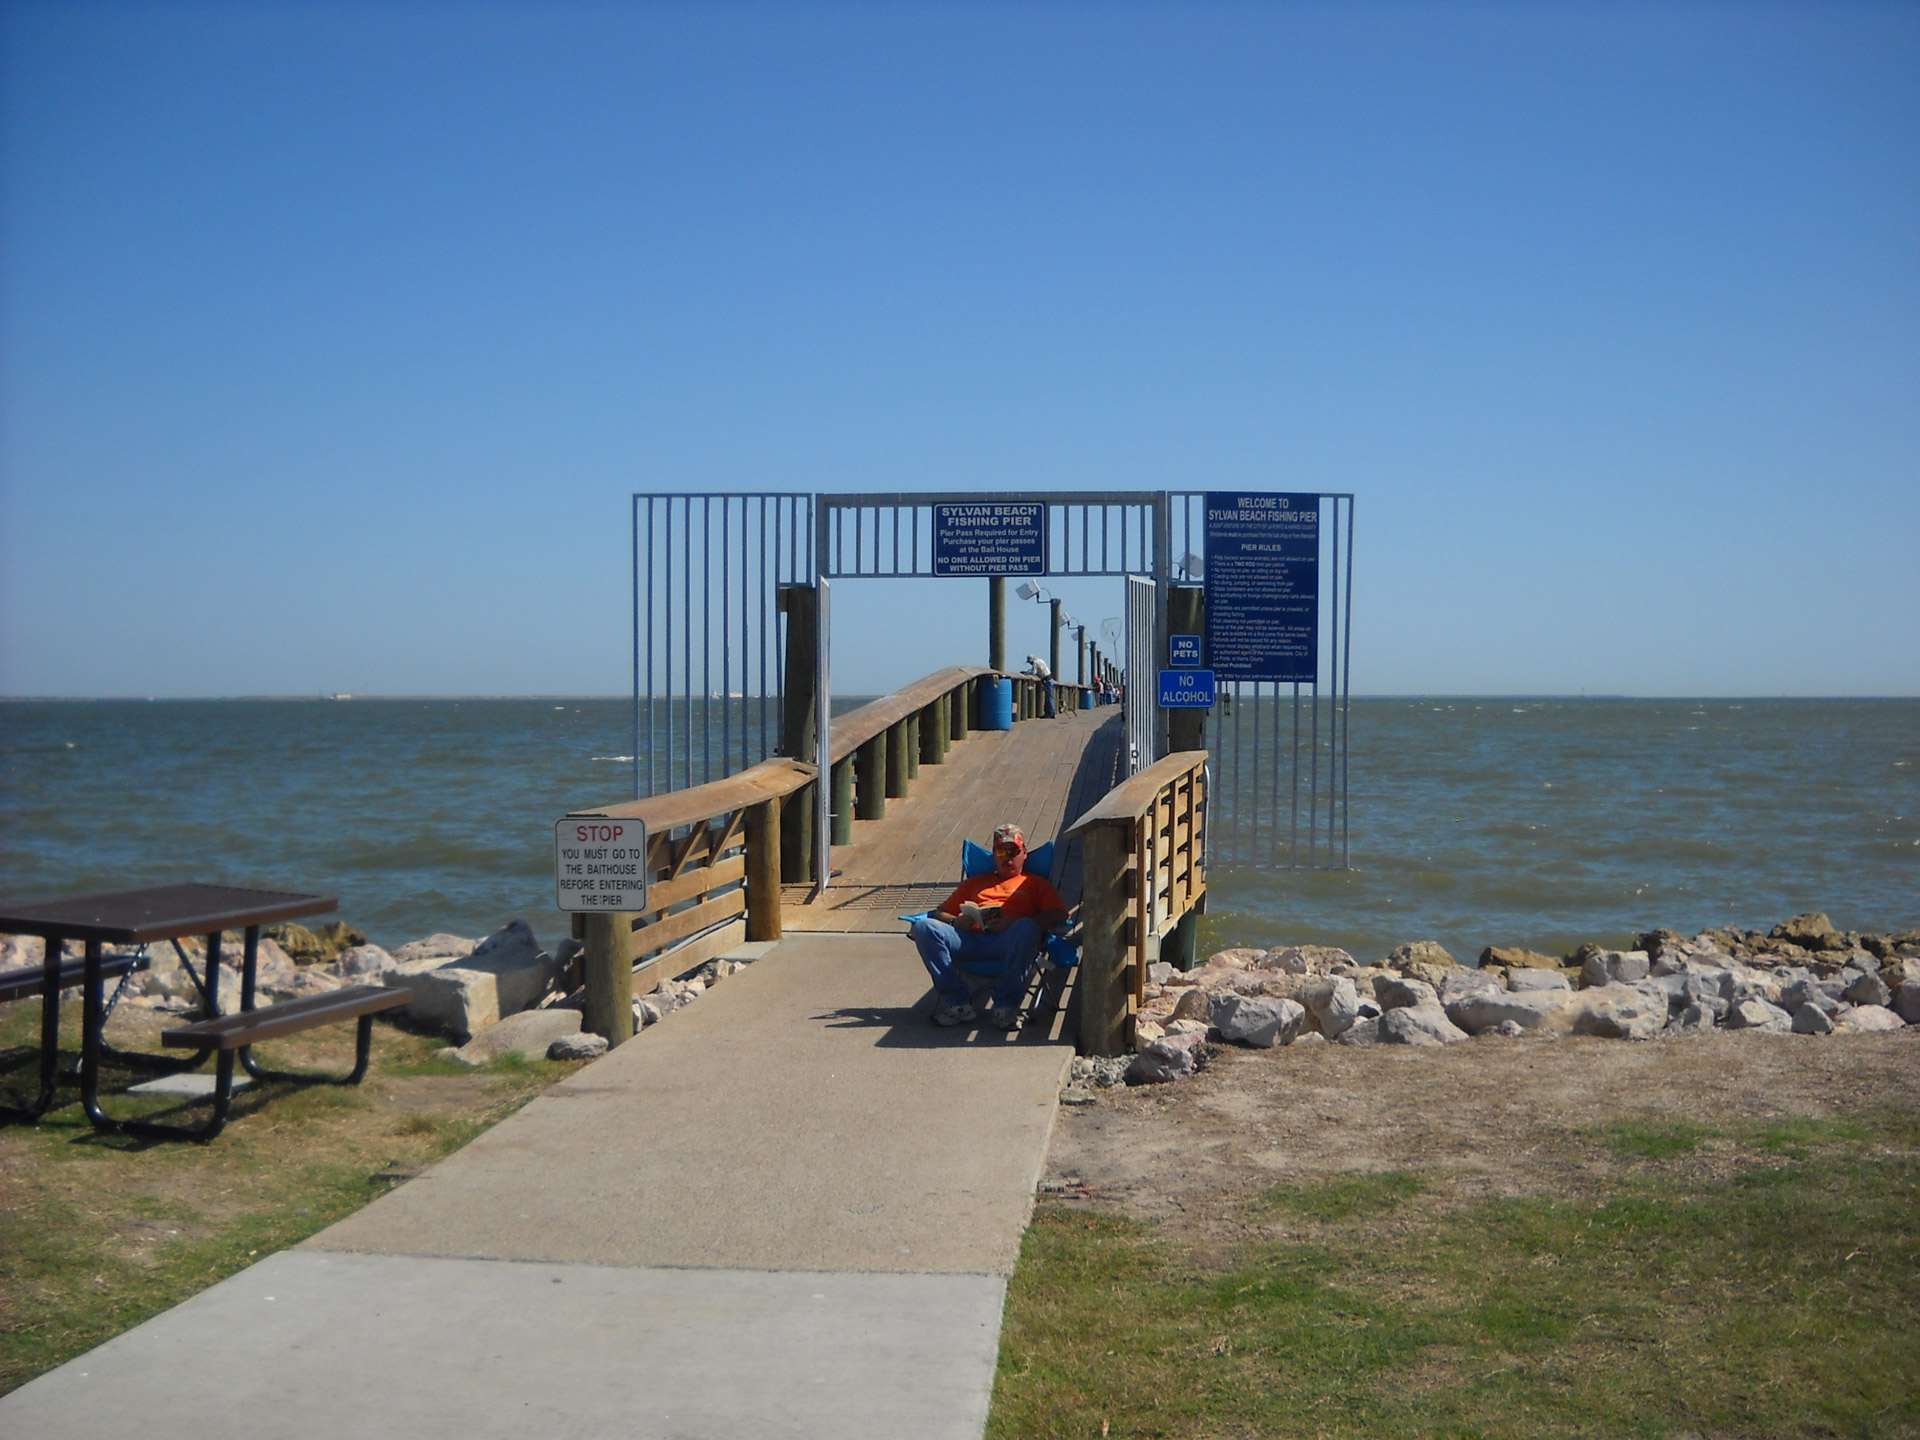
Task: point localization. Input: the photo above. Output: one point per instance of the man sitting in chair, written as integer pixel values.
(990, 919)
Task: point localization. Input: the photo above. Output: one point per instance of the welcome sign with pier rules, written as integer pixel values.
(600, 863)
(1263, 586)
(993, 537)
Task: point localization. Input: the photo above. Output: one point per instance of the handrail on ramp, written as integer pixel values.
(1142, 884)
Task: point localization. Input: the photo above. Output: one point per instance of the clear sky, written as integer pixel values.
(333, 338)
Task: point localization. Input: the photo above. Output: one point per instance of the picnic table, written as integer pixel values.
(168, 913)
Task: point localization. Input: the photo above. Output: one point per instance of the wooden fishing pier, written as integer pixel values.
(913, 775)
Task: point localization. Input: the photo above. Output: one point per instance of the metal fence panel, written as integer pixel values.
(1142, 700)
(1280, 750)
(708, 639)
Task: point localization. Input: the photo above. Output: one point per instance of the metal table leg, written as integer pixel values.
(90, 1058)
(49, 1040)
(363, 1039)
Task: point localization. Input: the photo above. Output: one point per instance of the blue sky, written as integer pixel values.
(334, 337)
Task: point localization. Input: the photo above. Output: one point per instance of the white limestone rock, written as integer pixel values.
(1906, 1001)
(1810, 1019)
(1610, 967)
(363, 964)
(1620, 1012)
(1695, 1018)
(1395, 992)
(1169, 1058)
(1419, 1025)
(1364, 1031)
(1867, 990)
(18, 950)
(577, 1047)
(1462, 981)
(1758, 1015)
(1869, 1018)
(529, 1033)
(1261, 1022)
(1333, 1003)
(1522, 979)
(506, 973)
(439, 946)
(1485, 1010)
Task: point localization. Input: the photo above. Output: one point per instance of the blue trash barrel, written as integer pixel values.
(996, 704)
(1086, 699)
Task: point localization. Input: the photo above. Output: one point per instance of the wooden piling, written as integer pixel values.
(609, 972)
(763, 870)
(843, 802)
(1105, 977)
(871, 775)
(897, 760)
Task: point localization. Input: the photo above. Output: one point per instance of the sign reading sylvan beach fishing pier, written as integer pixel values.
(1263, 586)
(600, 863)
(992, 537)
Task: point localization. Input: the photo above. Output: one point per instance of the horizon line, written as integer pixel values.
(347, 698)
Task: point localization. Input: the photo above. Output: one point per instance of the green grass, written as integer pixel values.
(1655, 1140)
(1782, 1299)
(1345, 1196)
(98, 1232)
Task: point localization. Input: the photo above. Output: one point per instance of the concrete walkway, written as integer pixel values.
(787, 1210)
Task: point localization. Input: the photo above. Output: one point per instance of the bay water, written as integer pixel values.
(1474, 821)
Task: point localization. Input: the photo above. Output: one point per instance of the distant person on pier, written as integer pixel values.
(991, 919)
(1043, 672)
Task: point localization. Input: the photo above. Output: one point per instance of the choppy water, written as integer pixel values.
(1474, 821)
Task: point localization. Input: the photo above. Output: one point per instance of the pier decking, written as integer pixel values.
(1041, 775)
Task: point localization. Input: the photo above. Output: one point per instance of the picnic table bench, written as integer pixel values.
(168, 912)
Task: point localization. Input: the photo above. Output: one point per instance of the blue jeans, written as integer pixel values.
(942, 947)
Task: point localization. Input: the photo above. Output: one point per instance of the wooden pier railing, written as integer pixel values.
(714, 852)
(1143, 873)
(713, 880)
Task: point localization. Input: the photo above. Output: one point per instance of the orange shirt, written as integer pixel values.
(1019, 897)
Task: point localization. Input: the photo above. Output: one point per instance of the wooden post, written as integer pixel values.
(763, 870)
(609, 970)
(927, 723)
(843, 802)
(798, 726)
(943, 724)
(997, 622)
(1104, 979)
(912, 727)
(1187, 615)
(897, 760)
(959, 706)
(871, 763)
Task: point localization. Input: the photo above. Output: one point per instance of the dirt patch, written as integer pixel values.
(1492, 1116)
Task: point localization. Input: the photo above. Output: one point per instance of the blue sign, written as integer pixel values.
(991, 537)
(1263, 586)
(1183, 652)
(1186, 689)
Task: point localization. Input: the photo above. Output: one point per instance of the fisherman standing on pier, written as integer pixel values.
(1041, 671)
(990, 920)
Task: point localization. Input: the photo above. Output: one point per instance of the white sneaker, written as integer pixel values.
(1004, 1017)
(955, 1015)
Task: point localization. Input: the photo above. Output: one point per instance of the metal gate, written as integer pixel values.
(1122, 533)
(709, 641)
(1280, 749)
